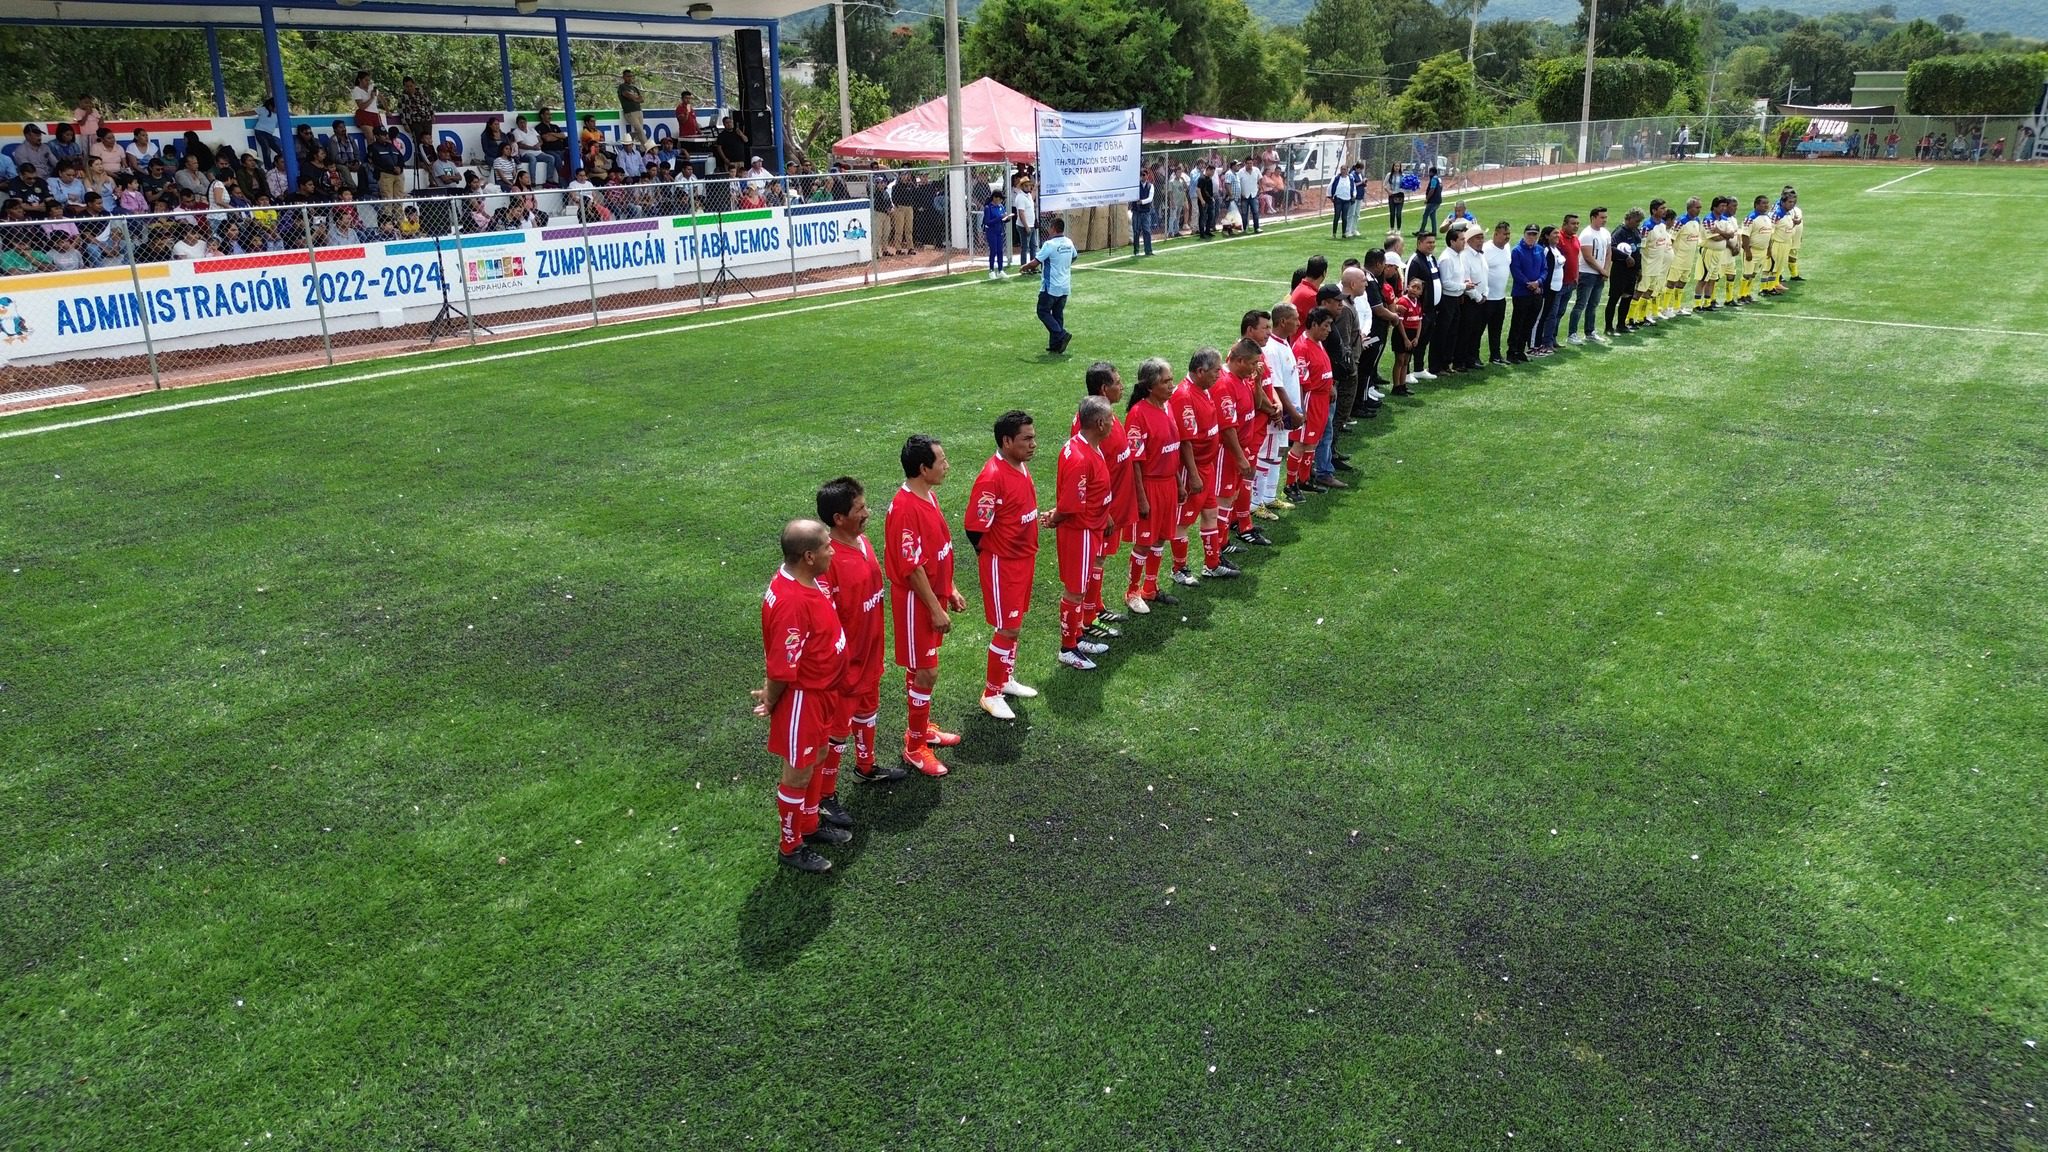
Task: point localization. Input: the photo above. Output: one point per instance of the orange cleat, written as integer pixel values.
(924, 760)
(938, 739)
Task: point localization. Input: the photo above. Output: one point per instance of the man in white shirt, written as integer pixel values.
(1596, 256)
(1286, 373)
(758, 177)
(1340, 204)
(1024, 225)
(1497, 254)
(1453, 316)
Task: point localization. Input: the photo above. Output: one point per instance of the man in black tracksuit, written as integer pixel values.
(1422, 268)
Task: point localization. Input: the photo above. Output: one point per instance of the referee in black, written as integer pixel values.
(1627, 268)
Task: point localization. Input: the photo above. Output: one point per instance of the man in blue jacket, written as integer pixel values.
(1527, 270)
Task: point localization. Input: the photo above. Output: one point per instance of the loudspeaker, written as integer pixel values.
(752, 61)
(760, 126)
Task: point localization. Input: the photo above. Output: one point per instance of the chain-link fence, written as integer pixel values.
(224, 288)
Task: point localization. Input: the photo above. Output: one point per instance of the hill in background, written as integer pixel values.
(2024, 17)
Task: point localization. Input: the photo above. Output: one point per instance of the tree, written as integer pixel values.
(1345, 39)
(1817, 60)
(868, 42)
(811, 112)
(1950, 22)
(1081, 55)
(1910, 43)
(1440, 96)
(1631, 86)
(1979, 83)
(1750, 73)
(914, 71)
(1656, 31)
(1257, 70)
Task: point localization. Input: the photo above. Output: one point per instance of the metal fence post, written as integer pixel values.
(789, 232)
(141, 302)
(462, 273)
(319, 289)
(691, 204)
(589, 255)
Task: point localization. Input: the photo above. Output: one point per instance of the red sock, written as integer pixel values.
(1212, 546)
(920, 715)
(790, 810)
(1091, 596)
(1137, 585)
(1152, 558)
(1070, 624)
(1180, 550)
(1244, 509)
(808, 821)
(835, 750)
(1002, 656)
(864, 742)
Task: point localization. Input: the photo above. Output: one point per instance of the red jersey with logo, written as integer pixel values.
(918, 538)
(1155, 441)
(1410, 313)
(1316, 373)
(1083, 492)
(1123, 483)
(1253, 434)
(800, 634)
(854, 582)
(1194, 410)
(1003, 507)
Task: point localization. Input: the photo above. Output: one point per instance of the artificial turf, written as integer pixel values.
(1647, 753)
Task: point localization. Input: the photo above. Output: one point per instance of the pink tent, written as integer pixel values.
(997, 124)
(1212, 129)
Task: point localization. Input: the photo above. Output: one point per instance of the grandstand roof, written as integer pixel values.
(590, 19)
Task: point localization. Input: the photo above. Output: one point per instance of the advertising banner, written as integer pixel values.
(54, 315)
(1086, 159)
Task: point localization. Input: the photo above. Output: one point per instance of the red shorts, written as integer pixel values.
(801, 721)
(1228, 483)
(1254, 440)
(1005, 589)
(860, 694)
(1203, 498)
(1081, 552)
(1163, 494)
(1317, 419)
(917, 646)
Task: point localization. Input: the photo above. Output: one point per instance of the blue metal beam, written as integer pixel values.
(568, 96)
(275, 60)
(257, 26)
(220, 82)
(362, 16)
(775, 92)
(505, 68)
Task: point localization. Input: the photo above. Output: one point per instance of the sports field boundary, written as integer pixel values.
(852, 295)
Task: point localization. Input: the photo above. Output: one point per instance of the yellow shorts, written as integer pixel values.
(1727, 266)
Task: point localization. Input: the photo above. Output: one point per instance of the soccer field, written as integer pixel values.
(1648, 753)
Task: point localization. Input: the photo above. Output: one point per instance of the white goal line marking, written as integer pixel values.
(1900, 180)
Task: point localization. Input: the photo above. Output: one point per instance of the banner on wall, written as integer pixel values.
(1086, 159)
(250, 297)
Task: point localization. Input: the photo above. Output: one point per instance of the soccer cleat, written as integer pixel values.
(1185, 578)
(924, 760)
(805, 860)
(1090, 647)
(1137, 605)
(1221, 572)
(939, 739)
(1012, 687)
(1685, 311)
(998, 706)
(877, 774)
(1232, 550)
(1076, 661)
(1258, 537)
(1100, 631)
(1107, 617)
(828, 834)
(1264, 513)
(1163, 597)
(1282, 504)
(831, 811)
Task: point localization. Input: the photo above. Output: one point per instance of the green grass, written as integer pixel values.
(1647, 755)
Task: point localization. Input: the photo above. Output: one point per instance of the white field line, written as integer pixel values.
(1897, 324)
(1900, 180)
(1182, 275)
(692, 326)
(1986, 195)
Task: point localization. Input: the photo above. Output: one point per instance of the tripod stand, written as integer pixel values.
(725, 278)
(451, 316)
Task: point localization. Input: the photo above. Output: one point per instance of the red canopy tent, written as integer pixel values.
(1216, 129)
(997, 124)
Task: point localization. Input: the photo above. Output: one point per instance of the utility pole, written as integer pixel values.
(845, 97)
(1586, 95)
(956, 176)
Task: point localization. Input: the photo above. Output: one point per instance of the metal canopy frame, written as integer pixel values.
(631, 20)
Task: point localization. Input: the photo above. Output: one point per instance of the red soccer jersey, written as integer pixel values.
(1410, 313)
(1003, 507)
(1303, 298)
(1194, 410)
(855, 584)
(1155, 441)
(1233, 399)
(800, 635)
(1316, 374)
(1083, 486)
(1123, 480)
(918, 538)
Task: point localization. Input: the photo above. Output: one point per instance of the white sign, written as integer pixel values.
(1086, 159)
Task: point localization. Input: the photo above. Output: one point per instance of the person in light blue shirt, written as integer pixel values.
(1055, 284)
(7, 169)
(265, 131)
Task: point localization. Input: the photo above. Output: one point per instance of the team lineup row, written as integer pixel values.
(1206, 453)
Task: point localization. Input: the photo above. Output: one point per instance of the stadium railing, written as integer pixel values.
(321, 284)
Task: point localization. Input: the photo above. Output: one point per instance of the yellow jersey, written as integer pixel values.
(1758, 232)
